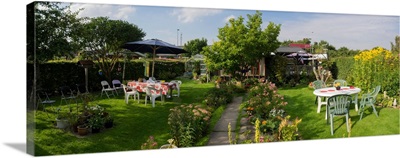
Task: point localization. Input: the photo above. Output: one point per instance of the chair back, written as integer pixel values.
(124, 87)
(339, 104)
(374, 93)
(105, 85)
(342, 82)
(65, 90)
(42, 95)
(318, 84)
(116, 83)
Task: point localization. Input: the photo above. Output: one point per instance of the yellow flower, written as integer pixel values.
(264, 122)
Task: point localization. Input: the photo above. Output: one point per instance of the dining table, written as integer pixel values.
(165, 87)
(331, 91)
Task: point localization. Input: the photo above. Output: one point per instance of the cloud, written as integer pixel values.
(229, 17)
(116, 12)
(351, 31)
(188, 15)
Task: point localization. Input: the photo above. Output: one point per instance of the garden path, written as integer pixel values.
(219, 135)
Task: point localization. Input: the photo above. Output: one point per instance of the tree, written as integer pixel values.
(240, 45)
(103, 39)
(195, 46)
(55, 27)
(51, 28)
(396, 45)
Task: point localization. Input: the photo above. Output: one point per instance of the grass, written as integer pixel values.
(301, 103)
(134, 123)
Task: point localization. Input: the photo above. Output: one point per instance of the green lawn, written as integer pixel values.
(301, 103)
(134, 123)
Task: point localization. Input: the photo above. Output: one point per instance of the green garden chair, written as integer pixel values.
(367, 100)
(338, 105)
(343, 83)
(318, 84)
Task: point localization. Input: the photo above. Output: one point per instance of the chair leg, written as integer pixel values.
(331, 118)
(107, 95)
(361, 110)
(376, 113)
(347, 123)
(138, 99)
(126, 99)
(145, 100)
(153, 100)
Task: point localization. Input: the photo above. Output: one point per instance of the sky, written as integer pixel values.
(177, 25)
(13, 64)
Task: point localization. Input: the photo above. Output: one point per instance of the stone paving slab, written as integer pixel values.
(220, 138)
(219, 135)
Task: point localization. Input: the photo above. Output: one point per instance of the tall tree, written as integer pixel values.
(396, 45)
(103, 39)
(195, 46)
(241, 45)
(55, 27)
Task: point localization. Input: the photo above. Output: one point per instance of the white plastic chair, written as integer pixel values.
(106, 88)
(177, 86)
(130, 91)
(153, 91)
(117, 85)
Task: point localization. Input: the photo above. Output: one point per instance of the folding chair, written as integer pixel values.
(106, 88)
(67, 95)
(117, 85)
(45, 101)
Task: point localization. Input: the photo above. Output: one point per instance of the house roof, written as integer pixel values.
(300, 45)
(288, 50)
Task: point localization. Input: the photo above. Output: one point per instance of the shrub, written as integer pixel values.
(250, 82)
(288, 129)
(219, 96)
(188, 123)
(344, 68)
(377, 66)
(263, 98)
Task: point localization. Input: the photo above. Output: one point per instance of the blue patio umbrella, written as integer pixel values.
(154, 46)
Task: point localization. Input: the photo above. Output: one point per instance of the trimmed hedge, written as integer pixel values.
(55, 74)
(344, 67)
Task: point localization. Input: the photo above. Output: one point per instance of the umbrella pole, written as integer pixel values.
(123, 72)
(152, 71)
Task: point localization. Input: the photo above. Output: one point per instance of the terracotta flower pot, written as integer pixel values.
(82, 130)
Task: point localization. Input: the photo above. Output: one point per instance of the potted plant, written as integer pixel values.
(337, 86)
(73, 121)
(61, 120)
(83, 129)
(108, 121)
(96, 122)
